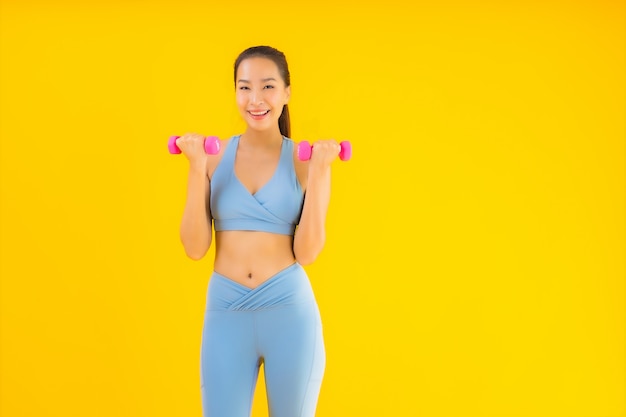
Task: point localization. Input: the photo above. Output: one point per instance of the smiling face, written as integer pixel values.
(261, 93)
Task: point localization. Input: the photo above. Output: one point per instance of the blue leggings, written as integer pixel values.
(276, 324)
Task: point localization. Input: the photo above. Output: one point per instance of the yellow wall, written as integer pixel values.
(475, 262)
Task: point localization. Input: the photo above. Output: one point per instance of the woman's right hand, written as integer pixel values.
(192, 146)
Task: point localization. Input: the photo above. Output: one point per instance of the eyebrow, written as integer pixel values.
(263, 80)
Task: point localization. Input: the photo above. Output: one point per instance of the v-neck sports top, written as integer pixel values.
(276, 207)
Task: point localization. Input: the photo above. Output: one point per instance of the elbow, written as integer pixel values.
(307, 257)
(195, 255)
(196, 251)
(308, 246)
(306, 251)
(305, 260)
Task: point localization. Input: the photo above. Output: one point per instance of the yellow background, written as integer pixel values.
(475, 256)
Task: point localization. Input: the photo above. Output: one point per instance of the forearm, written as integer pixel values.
(311, 233)
(195, 227)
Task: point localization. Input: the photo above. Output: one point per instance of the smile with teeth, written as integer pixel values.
(259, 113)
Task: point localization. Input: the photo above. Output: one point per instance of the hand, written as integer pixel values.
(192, 146)
(325, 152)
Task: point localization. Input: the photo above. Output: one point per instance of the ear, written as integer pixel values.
(288, 93)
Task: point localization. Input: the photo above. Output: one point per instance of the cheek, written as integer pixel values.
(241, 100)
(277, 98)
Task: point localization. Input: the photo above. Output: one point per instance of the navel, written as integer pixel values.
(250, 275)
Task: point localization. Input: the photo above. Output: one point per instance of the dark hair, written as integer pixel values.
(281, 62)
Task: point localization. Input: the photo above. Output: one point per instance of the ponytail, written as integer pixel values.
(284, 123)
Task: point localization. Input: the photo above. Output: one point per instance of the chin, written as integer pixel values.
(261, 127)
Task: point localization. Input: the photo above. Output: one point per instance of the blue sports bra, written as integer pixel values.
(276, 207)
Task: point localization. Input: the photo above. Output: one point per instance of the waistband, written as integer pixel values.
(254, 224)
(290, 286)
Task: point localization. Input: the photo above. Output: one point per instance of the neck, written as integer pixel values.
(264, 138)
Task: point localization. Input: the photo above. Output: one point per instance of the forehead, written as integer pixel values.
(257, 68)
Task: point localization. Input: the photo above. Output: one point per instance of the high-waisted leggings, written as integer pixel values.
(276, 324)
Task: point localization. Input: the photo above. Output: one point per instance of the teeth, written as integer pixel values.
(259, 113)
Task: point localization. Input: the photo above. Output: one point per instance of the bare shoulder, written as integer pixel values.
(213, 161)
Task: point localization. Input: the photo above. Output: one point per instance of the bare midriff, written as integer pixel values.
(251, 258)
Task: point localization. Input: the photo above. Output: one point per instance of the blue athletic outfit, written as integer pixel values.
(276, 324)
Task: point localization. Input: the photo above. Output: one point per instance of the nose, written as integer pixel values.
(256, 98)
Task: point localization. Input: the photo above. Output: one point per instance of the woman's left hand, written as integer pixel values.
(324, 152)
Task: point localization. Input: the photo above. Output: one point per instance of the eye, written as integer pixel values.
(243, 87)
(269, 86)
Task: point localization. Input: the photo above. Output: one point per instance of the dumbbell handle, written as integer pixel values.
(211, 145)
(305, 149)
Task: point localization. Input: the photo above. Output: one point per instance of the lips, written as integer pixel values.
(258, 114)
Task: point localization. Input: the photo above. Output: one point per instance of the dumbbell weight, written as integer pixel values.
(305, 149)
(211, 145)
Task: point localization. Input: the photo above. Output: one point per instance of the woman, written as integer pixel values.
(260, 307)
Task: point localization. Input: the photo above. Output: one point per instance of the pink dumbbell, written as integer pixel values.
(305, 149)
(211, 145)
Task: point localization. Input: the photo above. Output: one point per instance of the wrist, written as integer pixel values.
(317, 172)
(318, 167)
(197, 169)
